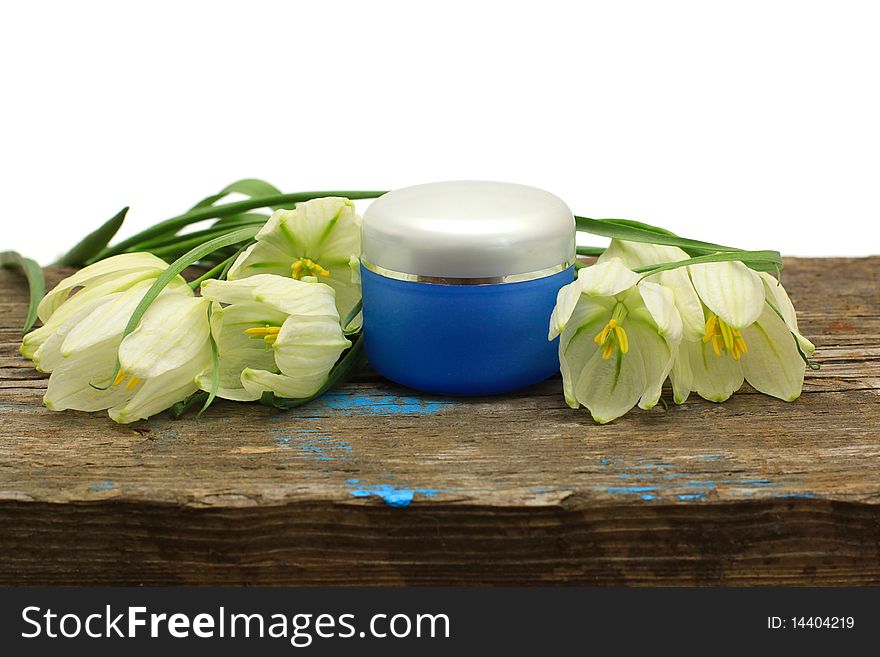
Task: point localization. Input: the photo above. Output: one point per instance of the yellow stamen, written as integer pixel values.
(710, 327)
(263, 330)
(622, 339)
(120, 377)
(611, 337)
(306, 267)
(609, 349)
(724, 338)
(132, 382)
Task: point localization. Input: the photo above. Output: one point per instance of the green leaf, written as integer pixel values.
(758, 260)
(220, 268)
(227, 209)
(36, 282)
(181, 407)
(175, 268)
(590, 250)
(94, 242)
(644, 226)
(239, 219)
(624, 229)
(350, 364)
(354, 312)
(252, 187)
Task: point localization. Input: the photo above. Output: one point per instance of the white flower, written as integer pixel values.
(159, 360)
(321, 238)
(86, 290)
(273, 334)
(618, 339)
(741, 325)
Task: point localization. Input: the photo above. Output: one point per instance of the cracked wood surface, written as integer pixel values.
(376, 484)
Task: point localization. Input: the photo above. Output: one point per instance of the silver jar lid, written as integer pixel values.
(468, 230)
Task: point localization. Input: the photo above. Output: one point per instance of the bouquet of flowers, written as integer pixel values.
(273, 314)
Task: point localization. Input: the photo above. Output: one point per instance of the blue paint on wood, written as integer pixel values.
(394, 495)
(100, 486)
(376, 404)
(314, 444)
(629, 490)
(649, 497)
(691, 496)
(797, 496)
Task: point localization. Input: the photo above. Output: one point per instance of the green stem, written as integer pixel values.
(211, 212)
(175, 239)
(36, 282)
(211, 273)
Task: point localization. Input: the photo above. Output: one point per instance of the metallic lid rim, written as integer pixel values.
(448, 280)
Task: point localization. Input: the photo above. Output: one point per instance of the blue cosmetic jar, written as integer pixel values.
(459, 281)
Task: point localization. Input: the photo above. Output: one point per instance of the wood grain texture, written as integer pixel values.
(376, 484)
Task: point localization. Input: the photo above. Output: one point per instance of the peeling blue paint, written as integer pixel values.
(649, 497)
(797, 496)
(314, 444)
(692, 496)
(629, 490)
(100, 486)
(378, 403)
(393, 495)
(542, 489)
(710, 485)
(756, 483)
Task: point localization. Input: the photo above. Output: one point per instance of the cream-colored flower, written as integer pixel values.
(618, 339)
(318, 238)
(159, 360)
(273, 333)
(741, 325)
(87, 289)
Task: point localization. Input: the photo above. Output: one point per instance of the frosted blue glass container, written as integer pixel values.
(459, 281)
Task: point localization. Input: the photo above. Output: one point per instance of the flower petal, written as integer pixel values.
(600, 280)
(256, 382)
(681, 376)
(309, 346)
(730, 290)
(656, 354)
(577, 344)
(606, 278)
(777, 294)
(238, 350)
(610, 388)
(156, 394)
(687, 301)
(773, 365)
(112, 267)
(285, 295)
(715, 378)
(642, 254)
(327, 230)
(174, 328)
(660, 303)
(106, 321)
(72, 383)
(261, 258)
(49, 354)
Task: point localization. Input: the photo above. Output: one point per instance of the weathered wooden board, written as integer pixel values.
(375, 484)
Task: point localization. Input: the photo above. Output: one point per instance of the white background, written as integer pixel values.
(753, 124)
